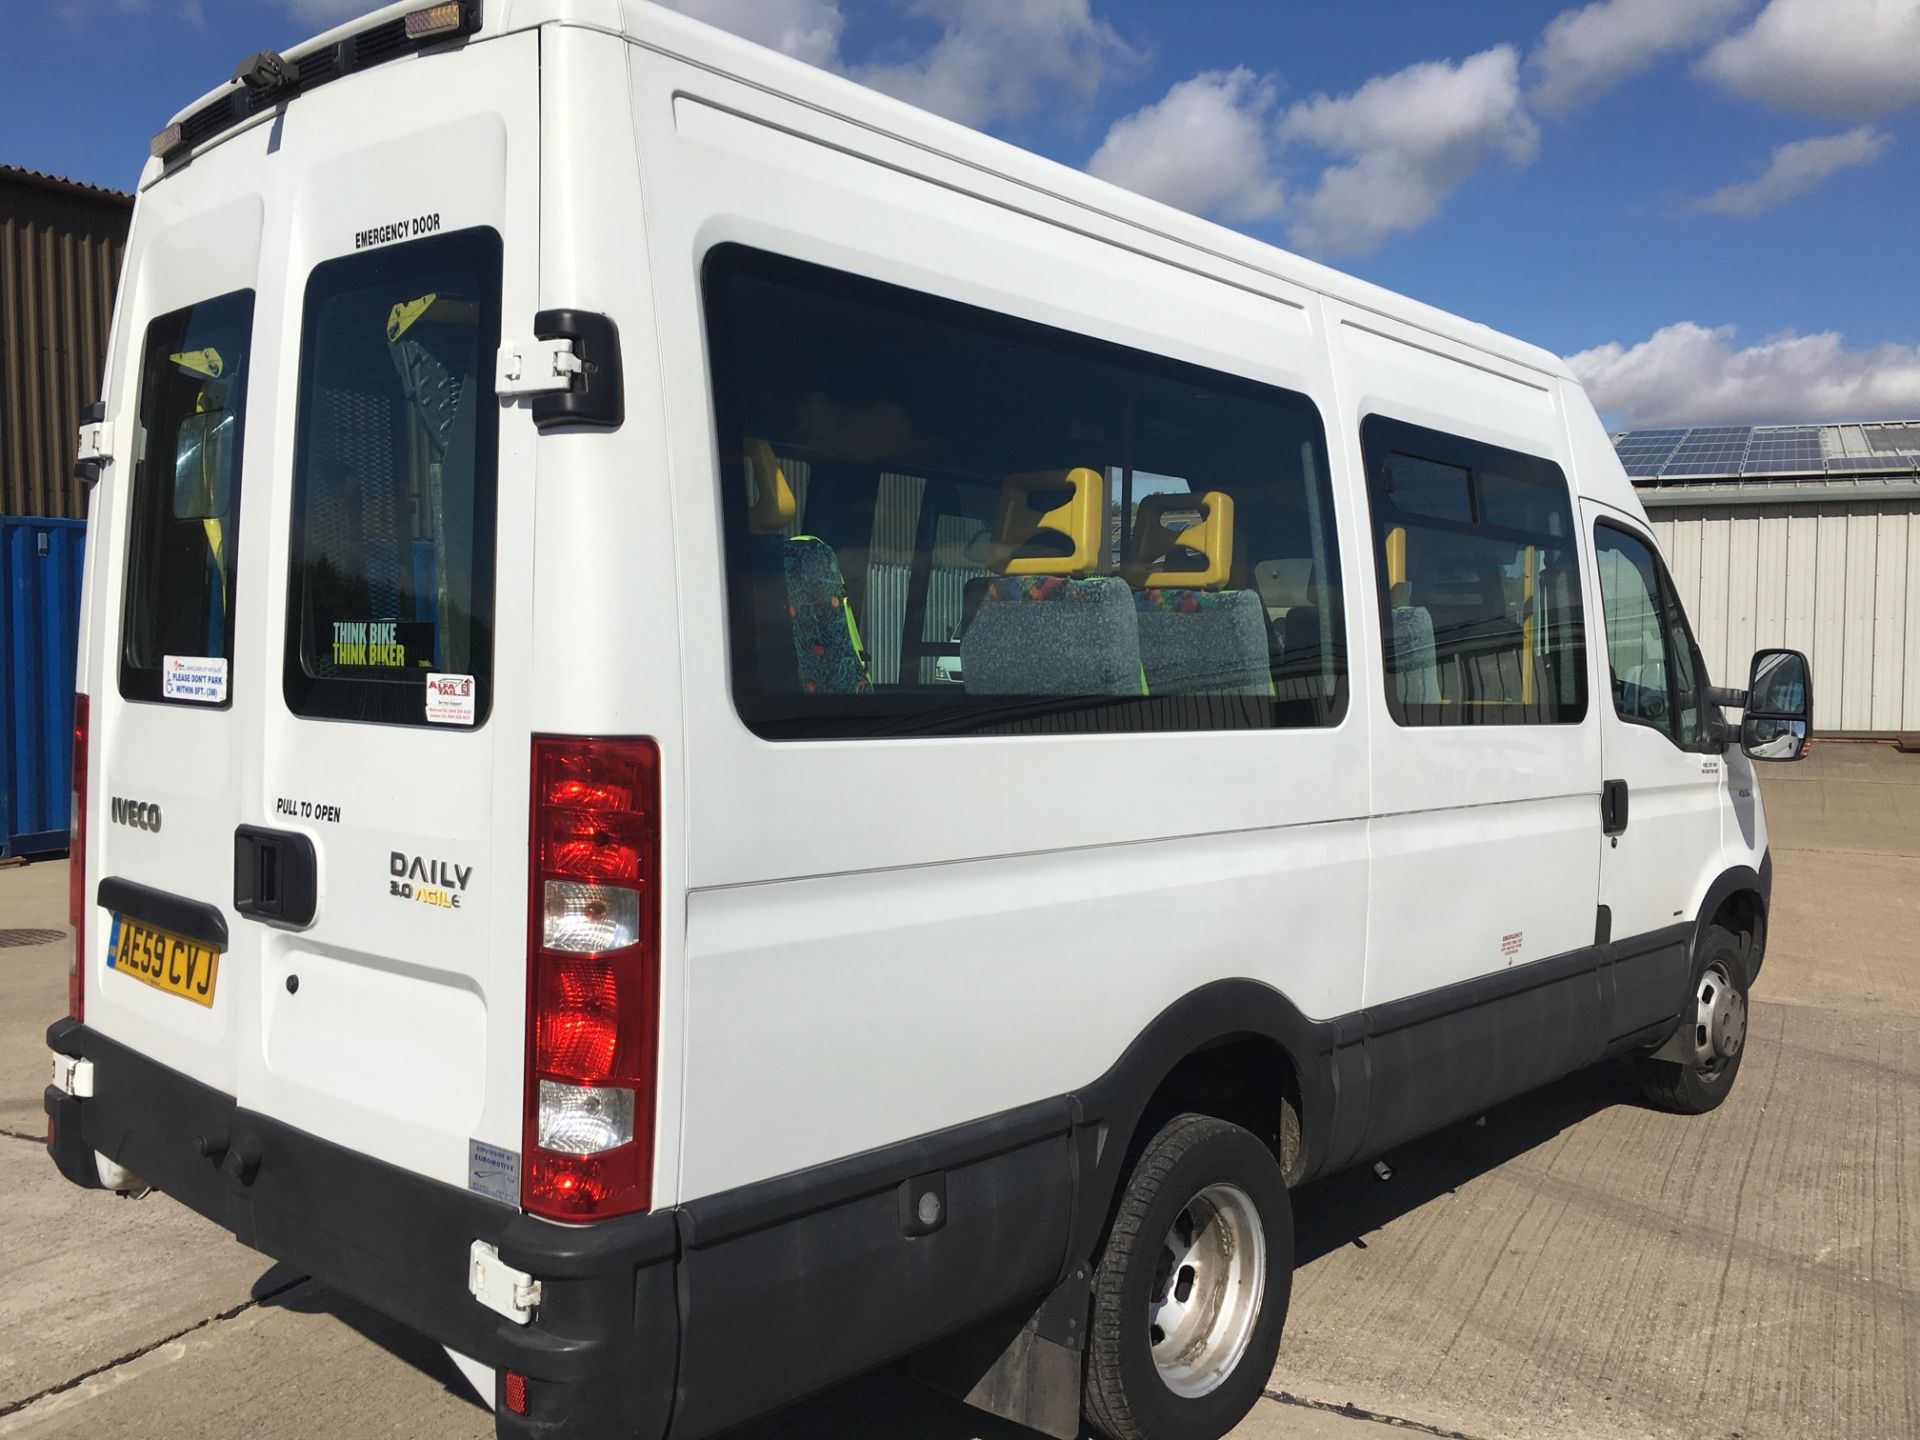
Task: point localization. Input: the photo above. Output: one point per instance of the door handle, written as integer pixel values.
(1613, 807)
(276, 876)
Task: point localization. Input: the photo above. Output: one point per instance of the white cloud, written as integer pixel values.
(1586, 51)
(1849, 59)
(1408, 141)
(1203, 147)
(808, 30)
(1687, 374)
(1797, 168)
(999, 59)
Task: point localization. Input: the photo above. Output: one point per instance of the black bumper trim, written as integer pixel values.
(680, 1322)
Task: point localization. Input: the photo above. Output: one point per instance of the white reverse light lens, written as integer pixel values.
(589, 919)
(584, 1119)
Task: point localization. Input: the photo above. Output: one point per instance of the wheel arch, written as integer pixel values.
(1215, 1050)
(1738, 901)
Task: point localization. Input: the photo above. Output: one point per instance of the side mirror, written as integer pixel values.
(203, 467)
(1779, 717)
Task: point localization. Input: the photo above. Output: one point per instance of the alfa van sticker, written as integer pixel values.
(450, 699)
(426, 881)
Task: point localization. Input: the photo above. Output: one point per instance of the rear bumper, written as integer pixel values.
(680, 1322)
(601, 1358)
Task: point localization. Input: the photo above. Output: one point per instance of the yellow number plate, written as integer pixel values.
(180, 967)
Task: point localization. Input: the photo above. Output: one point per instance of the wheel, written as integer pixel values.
(1192, 1288)
(1719, 1034)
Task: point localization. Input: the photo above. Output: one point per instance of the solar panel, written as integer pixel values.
(1883, 438)
(1721, 447)
(1703, 467)
(1870, 464)
(1643, 452)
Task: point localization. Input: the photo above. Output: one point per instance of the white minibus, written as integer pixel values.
(729, 734)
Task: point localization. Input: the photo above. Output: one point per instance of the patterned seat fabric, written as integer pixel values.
(802, 585)
(1051, 635)
(1416, 675)
(1204, 642)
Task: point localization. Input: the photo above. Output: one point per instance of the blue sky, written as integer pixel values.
(1712, 206)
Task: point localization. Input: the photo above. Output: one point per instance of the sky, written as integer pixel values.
(1711, 207)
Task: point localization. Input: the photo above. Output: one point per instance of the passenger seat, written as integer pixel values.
(799, 591)
(1042, 623)
(1196, 637)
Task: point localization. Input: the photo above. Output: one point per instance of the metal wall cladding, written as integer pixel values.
(1840, 581)
(61, 246)
(40, 563)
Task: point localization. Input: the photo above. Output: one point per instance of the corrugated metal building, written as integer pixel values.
(61, 244)
(1806, 536)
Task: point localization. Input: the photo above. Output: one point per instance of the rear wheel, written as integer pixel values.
(1192, 1287)
(1714, 1038)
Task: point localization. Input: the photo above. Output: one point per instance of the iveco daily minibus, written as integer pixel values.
(727, 733)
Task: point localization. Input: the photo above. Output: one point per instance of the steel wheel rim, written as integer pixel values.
(1208, 1286)
(1720, 1022)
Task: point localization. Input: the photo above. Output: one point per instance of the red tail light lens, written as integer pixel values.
(77, 865)
(593, 978)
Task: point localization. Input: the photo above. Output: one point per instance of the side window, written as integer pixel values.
(390, 593)
(176, 633)
(942, 520)
(1479, 580)
(1650, 652)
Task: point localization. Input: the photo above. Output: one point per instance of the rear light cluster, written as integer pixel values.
(77, 866)
(593, 978)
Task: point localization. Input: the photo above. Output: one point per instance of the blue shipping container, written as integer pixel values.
(39, 630)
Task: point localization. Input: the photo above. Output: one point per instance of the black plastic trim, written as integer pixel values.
(598, 396)
(733, 1213)
(189, 919)
(276, 876)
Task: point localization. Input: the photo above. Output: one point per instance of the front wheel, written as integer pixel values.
(1192, 1288)
(1714, 1036)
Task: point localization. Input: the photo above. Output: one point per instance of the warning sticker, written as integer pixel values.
(194, 677)
(450, 699)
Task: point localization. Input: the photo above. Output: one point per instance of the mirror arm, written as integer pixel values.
(1732, 699)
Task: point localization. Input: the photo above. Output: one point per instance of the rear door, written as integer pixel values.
(313, 761)
(392, 744)
(173, 524)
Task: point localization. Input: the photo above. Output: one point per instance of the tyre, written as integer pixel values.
(1717, 1029)
(1192, 1287)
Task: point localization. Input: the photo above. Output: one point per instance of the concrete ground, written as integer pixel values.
(1572, 1265)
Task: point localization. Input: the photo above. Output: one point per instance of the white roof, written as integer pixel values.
(666, 30)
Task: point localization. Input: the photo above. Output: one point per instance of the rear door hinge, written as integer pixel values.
(92, 456)
(498, 1286)
(536, 367)
(73, 1076)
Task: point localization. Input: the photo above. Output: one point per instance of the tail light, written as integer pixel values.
(77, 866)
(593, 978)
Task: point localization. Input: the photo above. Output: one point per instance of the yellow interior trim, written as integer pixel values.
(1077, 520)
(402, 316)
(1526, 627)
(1153, 539)
(1396, 556)
(773, 506)
(205, 362)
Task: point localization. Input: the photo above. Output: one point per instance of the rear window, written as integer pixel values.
(390, 593)
(176, 636)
